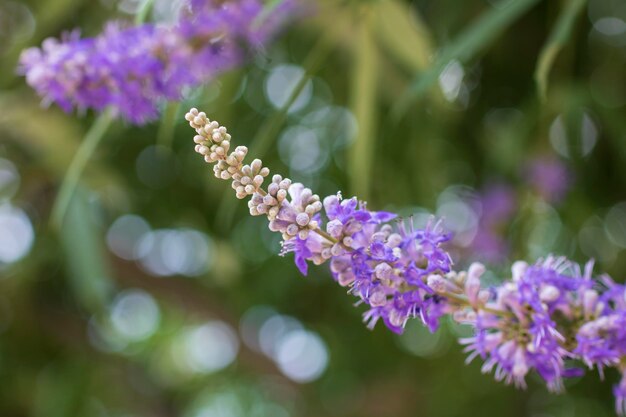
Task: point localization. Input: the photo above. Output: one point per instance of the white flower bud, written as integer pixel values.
(377, 297)
(549, 293)
(437, 283)
(396, 318)
(472, 282)
(337, 249)
(269, 200)
(518, 270)
(256, 165)
(302, 219)
(292, 229)
(394, 240)
(189, 116)
(345, 278)
(383, 271)
(335, 228)
(257, 180)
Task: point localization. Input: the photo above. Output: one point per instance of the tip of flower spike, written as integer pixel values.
(193, 112)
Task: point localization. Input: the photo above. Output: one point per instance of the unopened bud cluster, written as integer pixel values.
(270, 203)
(290, 217)
(295, 219)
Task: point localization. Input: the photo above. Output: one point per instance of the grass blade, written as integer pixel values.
(84, 253)
(363, 104)
(403, 34)
(169, 118)
(77, 166)
(144, 10)
(464, 47)
(559, 36)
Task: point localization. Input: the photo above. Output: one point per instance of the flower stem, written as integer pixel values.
(144, 10)
(462, 300)
(165, 134)
(86, 149)
(327, 236)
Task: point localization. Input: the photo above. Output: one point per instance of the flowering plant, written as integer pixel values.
(550, 317)
(132, 69)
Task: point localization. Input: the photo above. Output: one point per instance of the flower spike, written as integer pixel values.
(544, 318)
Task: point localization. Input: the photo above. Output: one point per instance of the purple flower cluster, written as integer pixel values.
(551, 317)
(134, 69)
(518, 331)
(385, 267)
(601, 339)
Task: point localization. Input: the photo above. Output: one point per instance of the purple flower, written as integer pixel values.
(496, 205)
(384, 267)
(602, 338)
(549, 177)
(525, 335)
(390, 267)
(134, 70)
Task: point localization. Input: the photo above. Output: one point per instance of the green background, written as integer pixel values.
(408, 102)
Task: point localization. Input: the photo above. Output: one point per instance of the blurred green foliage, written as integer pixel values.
(404, 100)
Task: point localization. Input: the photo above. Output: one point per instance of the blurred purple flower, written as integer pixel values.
(550, 178)
(134, 69)
(496, 206)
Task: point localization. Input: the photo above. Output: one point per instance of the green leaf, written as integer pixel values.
(79, 162)
(559, 36)
(165, 134)
(144, 10)
(469, 43)
(403, 34)
(52, 142)
(82, 243)
(363, 104)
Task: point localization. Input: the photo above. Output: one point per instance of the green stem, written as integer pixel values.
(142, 14)
(559, 37)
(326, 236)
(165, 134)
(462, 300)
(466, 46)
(87, 147)
(77, 166)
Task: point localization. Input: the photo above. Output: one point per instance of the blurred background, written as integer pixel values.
(160, 296)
